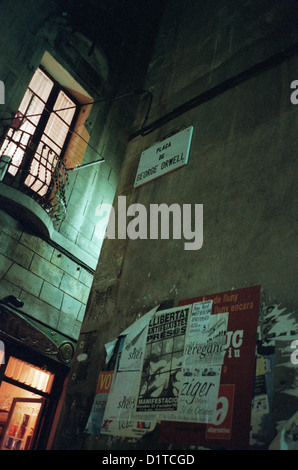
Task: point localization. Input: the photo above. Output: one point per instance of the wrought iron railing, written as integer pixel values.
(37, 171)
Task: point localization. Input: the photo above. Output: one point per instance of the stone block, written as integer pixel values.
(70, 305)
(38, 245)
(24, 279)
(46, 270)
(74, 288)
(81, 313)
(15, 251)
(10, 226)
(113, 178)
(87, 227)
(85, 277)
(66, 264)
(51, 294)
(78, 199)
(68, 231)
(69, 326)
(40, 310)
(6, 288)
(5, 264)
(74, 216)
(88, 246)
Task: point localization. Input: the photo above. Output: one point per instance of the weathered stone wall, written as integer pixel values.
(50, 279)
(241, 168)
(54, 288)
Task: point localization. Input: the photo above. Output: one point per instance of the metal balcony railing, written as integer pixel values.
(37, 171)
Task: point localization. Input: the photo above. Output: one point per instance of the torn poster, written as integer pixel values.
(98, 408)
(277, 324)
(119, 419)
(132, 354)
(207, 347)
(162, 362)
(203, 356)
(260, 419)
(287, 437)
(233, 410)
(285, 388)
(200, 318)
(199, 392)
(131, 332)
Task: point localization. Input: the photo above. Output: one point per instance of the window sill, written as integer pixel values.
(26, 210)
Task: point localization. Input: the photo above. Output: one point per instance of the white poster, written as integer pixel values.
(200, 318)
(199, 394)
(207, 347)
(119, 418)
(133, 351)
(163, 359)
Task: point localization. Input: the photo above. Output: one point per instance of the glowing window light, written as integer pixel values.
(29, 374)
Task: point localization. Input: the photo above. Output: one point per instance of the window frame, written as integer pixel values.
(23, 170)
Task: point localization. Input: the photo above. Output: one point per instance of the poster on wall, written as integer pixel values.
(120, 418)
(207, 347)
(231, 421)
(97, 412)
(202, 364)
(162, 362)
(198, 396)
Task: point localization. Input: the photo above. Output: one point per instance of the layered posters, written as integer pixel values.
(231, 426)
(148, 375)
(190, 368)
(120, 418)
(102, 392)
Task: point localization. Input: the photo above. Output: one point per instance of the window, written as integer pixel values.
(24, 389)
(39, 134)
(28, 374)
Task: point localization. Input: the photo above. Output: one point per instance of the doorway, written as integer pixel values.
(30, 388)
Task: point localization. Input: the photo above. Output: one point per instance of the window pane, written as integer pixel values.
(41, 85)
(66, 106)
(29, 374)
(32, 106)
(51, 144)
(57, 131)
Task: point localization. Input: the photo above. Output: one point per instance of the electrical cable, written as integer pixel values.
(101, 100)
(81, 105)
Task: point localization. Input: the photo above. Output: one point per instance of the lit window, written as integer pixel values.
(29, 374)
(38, 136)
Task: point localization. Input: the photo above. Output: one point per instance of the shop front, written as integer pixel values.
(34, 366)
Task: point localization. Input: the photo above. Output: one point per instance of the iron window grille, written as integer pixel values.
(36, 142)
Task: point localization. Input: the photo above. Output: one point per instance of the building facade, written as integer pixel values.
(228, 73)
(63, 101)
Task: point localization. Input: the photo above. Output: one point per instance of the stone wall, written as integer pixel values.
(241, 168)
(48, 276)
(53, 287)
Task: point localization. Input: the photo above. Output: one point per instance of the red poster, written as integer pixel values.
(225, 406)
(104, 381)
(232, 428)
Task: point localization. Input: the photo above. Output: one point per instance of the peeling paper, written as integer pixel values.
(131, 332)
(119, 417)
(110, 349)
(277, 325)
(138, 326)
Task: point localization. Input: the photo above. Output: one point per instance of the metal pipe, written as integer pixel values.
(247, 74)
(81, 167)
